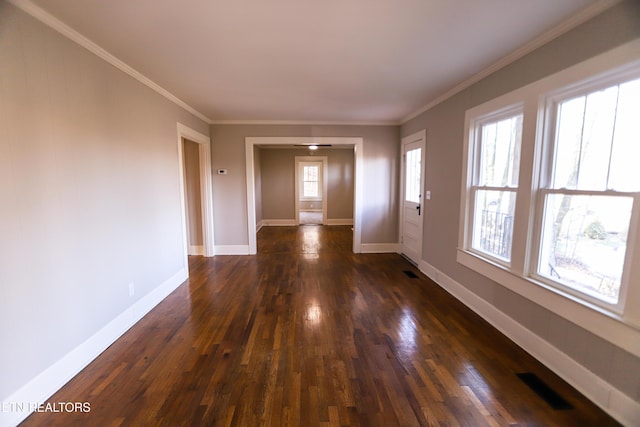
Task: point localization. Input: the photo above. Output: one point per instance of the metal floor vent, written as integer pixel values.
(544, 391)
(410, 274)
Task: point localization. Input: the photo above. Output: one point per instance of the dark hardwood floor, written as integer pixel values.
(307, 333)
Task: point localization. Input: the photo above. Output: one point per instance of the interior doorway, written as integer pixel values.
(355, 142)
(193, 197)
(202, 190)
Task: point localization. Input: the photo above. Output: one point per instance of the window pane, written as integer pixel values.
(310, 189)
(500, 152)
(597, 138)
(624, 172)
(596, 142)
(412, 175)
(310, 173)
(569, 137)
(584, 242)
(493, 222)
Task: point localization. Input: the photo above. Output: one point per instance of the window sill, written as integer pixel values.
(606, 324)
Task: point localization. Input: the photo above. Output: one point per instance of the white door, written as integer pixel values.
(413, 151)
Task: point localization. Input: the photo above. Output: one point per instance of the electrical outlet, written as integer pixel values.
(132, 289)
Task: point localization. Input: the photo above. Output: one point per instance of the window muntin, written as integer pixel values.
(497, 147)
(587, 208)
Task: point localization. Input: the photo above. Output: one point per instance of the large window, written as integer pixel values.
(495, 182)
(550, 202)
(590, 187)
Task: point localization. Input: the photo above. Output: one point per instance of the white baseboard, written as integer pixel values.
(196, 250)
(279, 222)
(292, 222)
(232, 249)
(617, 404)
(338, 221)
(379, 248)
(44, 385)
(259, 225)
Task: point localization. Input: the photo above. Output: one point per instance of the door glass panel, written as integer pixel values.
(412, 178)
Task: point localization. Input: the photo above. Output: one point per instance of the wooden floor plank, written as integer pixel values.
(306, 333)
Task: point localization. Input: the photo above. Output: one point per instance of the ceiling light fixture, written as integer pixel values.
(313, 147)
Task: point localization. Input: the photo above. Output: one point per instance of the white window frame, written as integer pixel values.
(474, 126)
(619, 323)
(547, 148)
(316, 163)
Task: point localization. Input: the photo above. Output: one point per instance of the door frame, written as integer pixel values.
(355, 142)
(206, 186)
(325, 176)
(419, 136)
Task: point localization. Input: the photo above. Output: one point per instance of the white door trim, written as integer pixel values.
(206, 186)
(421, 137)
(356, 142)
(325, 175)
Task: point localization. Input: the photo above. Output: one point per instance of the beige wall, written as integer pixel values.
(89, 195)
(445, 124)
(381, 165)
(278, 182)
(193, 197)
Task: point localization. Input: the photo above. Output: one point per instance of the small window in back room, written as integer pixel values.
(311, 187)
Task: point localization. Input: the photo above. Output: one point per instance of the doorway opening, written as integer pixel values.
(194, 163)
(253, 143)
(193, 197)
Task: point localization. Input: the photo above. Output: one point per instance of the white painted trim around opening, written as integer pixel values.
(206, 189)
(356, 142)
(419, 137)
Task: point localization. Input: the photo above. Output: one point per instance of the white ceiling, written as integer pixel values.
(330, 61)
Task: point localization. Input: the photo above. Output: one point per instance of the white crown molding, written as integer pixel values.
(579, 18)
(572, 22)
(302, 123)
(59, 26)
